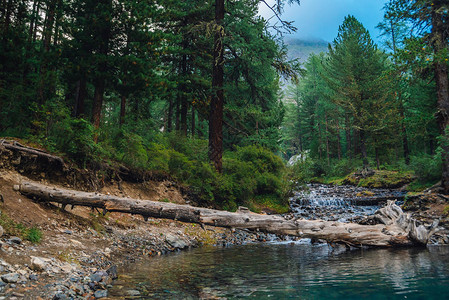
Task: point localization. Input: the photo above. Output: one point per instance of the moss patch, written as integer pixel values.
(379, 179)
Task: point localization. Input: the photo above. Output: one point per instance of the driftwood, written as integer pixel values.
(396, 230)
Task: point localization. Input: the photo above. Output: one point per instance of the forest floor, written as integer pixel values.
(80, 249)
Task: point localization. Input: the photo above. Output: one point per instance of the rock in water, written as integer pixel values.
(132, 293)
(101, 294)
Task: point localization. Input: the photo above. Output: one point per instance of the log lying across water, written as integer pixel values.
(397, 230)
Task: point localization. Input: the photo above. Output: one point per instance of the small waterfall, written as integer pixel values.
(339, 203)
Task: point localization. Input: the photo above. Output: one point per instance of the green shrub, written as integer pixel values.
(34, 235)
(427, 168)
(14, 228)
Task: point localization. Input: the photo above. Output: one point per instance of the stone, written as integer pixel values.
(33, 277)
(112, 272)
(101, 294)
(175, 241)
(10, 277)
(1, 230)
(15, 240)
(96, 277)
(60, 296)
(132, 293)
(38, 263)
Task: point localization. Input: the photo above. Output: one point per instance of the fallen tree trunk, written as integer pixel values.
(15, 146)
(380, 235)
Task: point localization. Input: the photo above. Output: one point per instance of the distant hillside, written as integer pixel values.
(302, 48)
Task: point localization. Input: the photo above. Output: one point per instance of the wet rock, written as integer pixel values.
(96, 277)
(10, 277)
(132, 293)
(15, 240)
(101, 294)
(112, 272)
(175, 241)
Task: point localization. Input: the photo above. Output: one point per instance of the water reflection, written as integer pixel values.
(291, 271)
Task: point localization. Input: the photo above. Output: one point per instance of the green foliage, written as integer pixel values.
(13, 228)
(34, 235)
(427, 168)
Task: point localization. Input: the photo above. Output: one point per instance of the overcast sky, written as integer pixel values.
(319, 19)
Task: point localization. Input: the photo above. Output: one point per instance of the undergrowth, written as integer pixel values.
(13, 228)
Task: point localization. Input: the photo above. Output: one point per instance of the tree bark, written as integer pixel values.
(170, 115)
(398, 229)
(363, 149)
(348, 137)
(327, 142)
(217, 99)
(98, 103)
(442, 86)
(81, 94)
(122, 110)
(193, 122)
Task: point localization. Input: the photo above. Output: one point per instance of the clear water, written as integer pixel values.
(290, 271)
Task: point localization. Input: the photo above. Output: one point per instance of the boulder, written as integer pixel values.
(10, 277)
(175, 241)
(38, 263)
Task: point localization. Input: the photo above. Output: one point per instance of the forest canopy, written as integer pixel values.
(193, 89)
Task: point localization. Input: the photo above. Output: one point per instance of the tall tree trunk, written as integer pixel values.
(217, 99)
(183, 91)
(81, 94)
(327, 142)
(348, 137)
(170, 115)
(177, 114)
(376, 150)
(338, 140)
(100, 82)
(59, 11)
(193, 122)
(363, 149)
(7, 20)
(98, 103)
(404, 134)
(46, 84)
(33, 20)
(442, 85)
(122, 110)
(36, 21)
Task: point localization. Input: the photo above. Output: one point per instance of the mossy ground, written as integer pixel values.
(378, 179)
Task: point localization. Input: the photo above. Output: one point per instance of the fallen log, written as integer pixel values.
(380, 235)
(15, 146)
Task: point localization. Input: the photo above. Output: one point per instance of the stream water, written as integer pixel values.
(290, 270)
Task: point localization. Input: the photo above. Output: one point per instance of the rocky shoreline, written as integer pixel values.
(88, 273)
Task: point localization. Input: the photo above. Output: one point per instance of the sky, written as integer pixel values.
(320, 19)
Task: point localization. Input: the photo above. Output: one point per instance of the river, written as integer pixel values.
(290, 270)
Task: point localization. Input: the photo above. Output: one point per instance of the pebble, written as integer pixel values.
(133, 293)
(33, 277)
(101, 294)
